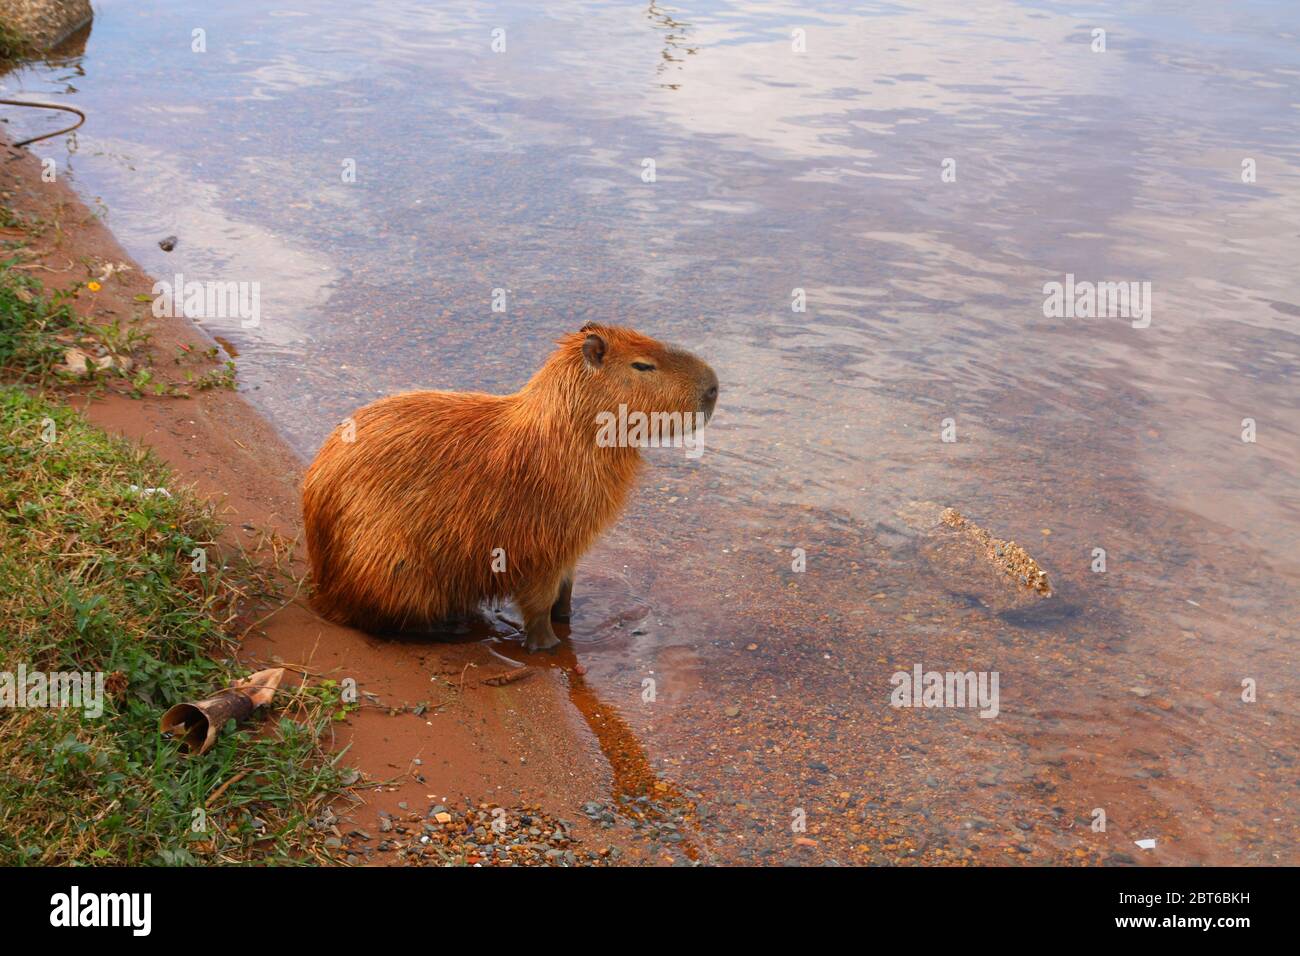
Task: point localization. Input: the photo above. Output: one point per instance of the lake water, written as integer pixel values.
(916, 173)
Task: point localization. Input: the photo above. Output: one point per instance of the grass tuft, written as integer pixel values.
(35, 327)
(95, 577)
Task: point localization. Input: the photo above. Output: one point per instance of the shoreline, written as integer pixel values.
(514, 743)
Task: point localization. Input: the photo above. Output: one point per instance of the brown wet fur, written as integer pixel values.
(407, 523)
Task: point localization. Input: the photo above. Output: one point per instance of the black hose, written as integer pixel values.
(47, 106)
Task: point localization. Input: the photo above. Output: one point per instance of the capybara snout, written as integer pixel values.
(430, 503)
(709, 392)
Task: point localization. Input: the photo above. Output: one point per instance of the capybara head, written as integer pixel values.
(622, 367)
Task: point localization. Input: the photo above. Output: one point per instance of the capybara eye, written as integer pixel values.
(643, 366)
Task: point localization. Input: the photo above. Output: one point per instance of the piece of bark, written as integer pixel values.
(508, 677)
(198, 723)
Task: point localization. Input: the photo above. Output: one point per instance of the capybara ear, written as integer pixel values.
(593, 350)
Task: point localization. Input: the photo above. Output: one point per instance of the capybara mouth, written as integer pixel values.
(709, 400)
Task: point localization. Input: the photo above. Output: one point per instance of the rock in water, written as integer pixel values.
(43, 24)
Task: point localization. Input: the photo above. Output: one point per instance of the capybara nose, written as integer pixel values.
(709, 398)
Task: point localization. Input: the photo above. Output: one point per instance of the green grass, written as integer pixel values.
(97, 578)
(35, 328)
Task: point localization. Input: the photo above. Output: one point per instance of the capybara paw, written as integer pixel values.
(541, 641)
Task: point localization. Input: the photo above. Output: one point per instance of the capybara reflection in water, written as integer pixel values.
(426, 504)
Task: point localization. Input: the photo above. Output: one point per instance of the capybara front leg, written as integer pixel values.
(562, 609)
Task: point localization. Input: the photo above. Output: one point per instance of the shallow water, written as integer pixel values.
(821, 171)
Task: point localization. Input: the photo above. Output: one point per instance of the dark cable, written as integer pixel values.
(47, 106)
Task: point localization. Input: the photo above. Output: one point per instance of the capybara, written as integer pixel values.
(426, 504)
